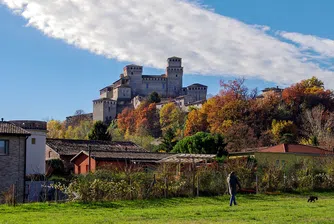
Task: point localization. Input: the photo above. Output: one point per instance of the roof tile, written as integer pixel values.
(7, 128)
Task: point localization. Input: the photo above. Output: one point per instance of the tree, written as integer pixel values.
(319, 123)
(168, 141)
(284, 131)
(147, 120)
(56, 129)
(99, 132)
(240, 136)
(308, 94)
(196, 122)
(171, 117)
(126, 121)
(154, 98)
(201, 142)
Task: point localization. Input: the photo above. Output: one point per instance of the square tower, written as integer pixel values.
(134, 74)
(174, 73)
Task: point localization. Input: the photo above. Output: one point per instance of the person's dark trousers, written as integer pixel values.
(232, 200)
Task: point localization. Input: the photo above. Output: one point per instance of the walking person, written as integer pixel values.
(233, 181)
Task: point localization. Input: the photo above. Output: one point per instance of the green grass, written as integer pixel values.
(251, 209)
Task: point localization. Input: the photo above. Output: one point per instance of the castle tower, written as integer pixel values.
(174, 73)
(134, 74)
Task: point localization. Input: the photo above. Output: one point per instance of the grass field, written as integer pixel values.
(251, 209)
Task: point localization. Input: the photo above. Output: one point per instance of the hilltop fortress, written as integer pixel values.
(132, 87)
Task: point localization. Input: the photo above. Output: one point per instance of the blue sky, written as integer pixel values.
(49, 71)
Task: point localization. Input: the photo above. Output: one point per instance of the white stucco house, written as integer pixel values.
(35, 155)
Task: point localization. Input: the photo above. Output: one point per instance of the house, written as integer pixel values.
(13, 145)
(35, 156)
(283, 153)
(66, 149)
(114, 158)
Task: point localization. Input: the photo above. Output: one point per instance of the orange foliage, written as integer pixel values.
(196, 122)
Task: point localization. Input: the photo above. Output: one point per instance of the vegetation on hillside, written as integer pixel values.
(302, 113)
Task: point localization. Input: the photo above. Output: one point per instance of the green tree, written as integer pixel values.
(99, 132)
(203, 143)
(168, 141)
(154, 98)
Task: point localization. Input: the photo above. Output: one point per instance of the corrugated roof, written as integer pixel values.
(73, 147)
(105, 155)
(187, 158)
(7, 128)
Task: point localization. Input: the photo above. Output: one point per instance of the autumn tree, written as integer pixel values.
(240, 136)
(56, 129)
(126, 121)
(196, 122)
(284, 131)
(99, 132)
(147, 120)
(308, 94)
(171, 117)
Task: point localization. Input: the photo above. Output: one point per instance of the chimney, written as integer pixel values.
(1, 119)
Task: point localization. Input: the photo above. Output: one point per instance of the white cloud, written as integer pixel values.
(324, 47)
(148, 31)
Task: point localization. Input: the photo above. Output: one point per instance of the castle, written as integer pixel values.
(133, 86)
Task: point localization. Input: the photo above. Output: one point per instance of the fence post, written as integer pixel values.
(166, 187)
(257, 187)
(14, 195)
(198, 185)
(56, 195)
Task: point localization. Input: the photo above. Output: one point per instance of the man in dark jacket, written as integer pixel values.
(232, 181)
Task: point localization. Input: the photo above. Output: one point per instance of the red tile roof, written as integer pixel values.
(295, 148)
(7, 128)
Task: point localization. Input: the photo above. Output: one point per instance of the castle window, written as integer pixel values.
(131, 73)
(146, 85)
(109, 109)
(163, 85)
(175, 75)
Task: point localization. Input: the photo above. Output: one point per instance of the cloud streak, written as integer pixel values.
(148, 31)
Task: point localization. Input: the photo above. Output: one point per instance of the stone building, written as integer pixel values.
(13, 145)
(133, 86)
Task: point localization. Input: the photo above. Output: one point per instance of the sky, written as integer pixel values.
(55, 55)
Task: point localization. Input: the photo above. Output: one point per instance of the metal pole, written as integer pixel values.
(89, 156)
(256, 179)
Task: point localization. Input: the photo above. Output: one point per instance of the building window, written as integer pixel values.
(163, 85)
(49, 154)
(109, 109)
(146, 85)
(33, 141)
(131, 73)
(175, 75)
(3, 147)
